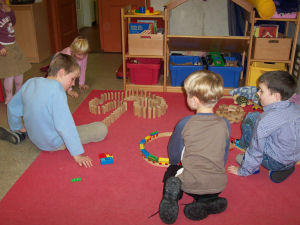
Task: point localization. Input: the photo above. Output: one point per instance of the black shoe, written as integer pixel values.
(168, 207)
(279, 176)
(196, 210)
(12, 137)
(216, 205)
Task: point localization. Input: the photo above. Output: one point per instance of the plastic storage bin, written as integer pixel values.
(180, 72)
(230, 74)
(258, 68)
(146, 71)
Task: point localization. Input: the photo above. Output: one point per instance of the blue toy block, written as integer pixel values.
(142, 141)
(107, 160)
(145, 153)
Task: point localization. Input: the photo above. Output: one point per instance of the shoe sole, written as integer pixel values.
(196, 211)
(217, 206)
(8, 136)
(168, 207)
(280, 176)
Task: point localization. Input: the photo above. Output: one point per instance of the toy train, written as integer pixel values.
(152, 158)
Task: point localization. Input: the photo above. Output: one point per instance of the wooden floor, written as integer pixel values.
(92, 34)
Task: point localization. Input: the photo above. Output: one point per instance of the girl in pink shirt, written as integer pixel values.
(79, 49)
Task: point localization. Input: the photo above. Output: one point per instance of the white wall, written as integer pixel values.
(197, 17)
(85, 13)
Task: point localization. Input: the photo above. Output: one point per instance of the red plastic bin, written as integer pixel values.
(146, 71)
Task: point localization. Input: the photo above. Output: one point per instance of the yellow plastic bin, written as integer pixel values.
(258, 68)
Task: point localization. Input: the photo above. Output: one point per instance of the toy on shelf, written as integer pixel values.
(152, 159)
(265, 8)
(143, 11)
(217, 59)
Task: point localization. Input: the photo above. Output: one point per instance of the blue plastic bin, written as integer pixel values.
(180, 72)
(230, 74)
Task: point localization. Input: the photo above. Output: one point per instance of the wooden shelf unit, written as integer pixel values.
(240, 44)
(126, 17)
(251, 19)
(201, 43)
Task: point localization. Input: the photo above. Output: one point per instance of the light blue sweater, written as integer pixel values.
(47, 118)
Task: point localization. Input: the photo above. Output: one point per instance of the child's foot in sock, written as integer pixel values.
(279, 176)
(12, 137)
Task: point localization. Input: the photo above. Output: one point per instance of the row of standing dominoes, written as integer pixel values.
(115, 114)
(150, 108)
(94, 104)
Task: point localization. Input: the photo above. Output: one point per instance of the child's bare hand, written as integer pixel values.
(83, 161)
(3, 52)
(233, 169)
(84, 87)
(73, 94)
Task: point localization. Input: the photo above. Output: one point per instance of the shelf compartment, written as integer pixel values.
(146, 44)
(208, 43)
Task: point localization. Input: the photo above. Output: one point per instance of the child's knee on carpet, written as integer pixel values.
(92, 132)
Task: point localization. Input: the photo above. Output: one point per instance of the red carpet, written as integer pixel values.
(129, 191)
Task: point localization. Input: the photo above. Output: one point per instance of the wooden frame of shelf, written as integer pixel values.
(202, 43)
(125, 20)
(242, 44)
(251, 19)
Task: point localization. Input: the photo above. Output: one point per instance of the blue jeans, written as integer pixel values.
(247, 128)
(271, 164)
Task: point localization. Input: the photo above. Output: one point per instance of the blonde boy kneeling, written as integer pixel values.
(198, 150)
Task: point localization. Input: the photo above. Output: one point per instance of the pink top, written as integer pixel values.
(81, 63)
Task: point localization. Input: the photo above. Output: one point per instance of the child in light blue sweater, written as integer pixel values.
(42, 102)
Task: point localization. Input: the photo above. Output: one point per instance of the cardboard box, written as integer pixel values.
(272, 48)
(145, 44)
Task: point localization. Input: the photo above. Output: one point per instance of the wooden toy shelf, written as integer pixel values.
(251, 19)
(126, 17)
(237, 44)
(201, 43)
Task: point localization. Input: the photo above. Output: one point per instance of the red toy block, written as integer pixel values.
(102, 155)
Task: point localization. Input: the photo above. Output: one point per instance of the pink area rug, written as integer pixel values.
(128, 191)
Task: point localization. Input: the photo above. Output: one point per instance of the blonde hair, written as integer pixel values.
(207, 86)
(63, 61)
(80, 45)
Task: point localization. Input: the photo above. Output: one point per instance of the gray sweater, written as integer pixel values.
(206, 140)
